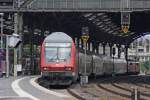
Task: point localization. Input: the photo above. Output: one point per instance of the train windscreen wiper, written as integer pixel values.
(62, 59)
(54, 58)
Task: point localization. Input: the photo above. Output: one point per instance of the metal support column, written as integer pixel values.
(126, 55)
(113, 67)
(1, 20)
(97, 50)
(20, 30)
(111, 45)
(104, 44)
(85, 45)
(126, 52)
(82, 44)
(78, 42)
(7, 57)
(119, 50)
(93, 47)
(97, 47)
(15, 50)
(89, 46)
(15, 62)
(32, 51)
(114, 52)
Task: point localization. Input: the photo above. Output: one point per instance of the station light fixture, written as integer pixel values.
(100, 14)
(37, 31)
(107, 19)
(88, 14)
(25, 31)
(108, 22)
(99, 23)
(102, 25)
(132, 33)
(96, 20)
(110, 31)
(104, 17)
(115, 33)
(104, 28)
(92, 17)
(1, 14)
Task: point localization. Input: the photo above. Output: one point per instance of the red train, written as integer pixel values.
(58, 57)
(61, 63)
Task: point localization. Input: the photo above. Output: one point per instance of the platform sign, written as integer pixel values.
(19, 67)
(125, 29)
(14, 41)
(125, 18)
(125, 21)
(85, 34)
(85, 38)
(83, 80)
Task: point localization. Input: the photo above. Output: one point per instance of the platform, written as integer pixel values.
(26, 88)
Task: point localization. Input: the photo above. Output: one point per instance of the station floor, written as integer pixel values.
(26, 88)
(6, 91)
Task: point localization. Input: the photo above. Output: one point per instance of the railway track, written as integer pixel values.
(92, 91)
(123, 86)
(111, 88)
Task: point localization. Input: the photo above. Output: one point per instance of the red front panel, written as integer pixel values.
(58, 66)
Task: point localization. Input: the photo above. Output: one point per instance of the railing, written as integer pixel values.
(82, 5)
(89, 4)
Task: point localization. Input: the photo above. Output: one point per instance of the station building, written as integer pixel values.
(140, 49)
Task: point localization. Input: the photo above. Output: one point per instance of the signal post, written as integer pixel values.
(125, 21)
(125, 25)
(85, 37)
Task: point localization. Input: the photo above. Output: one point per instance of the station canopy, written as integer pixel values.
(103, 27)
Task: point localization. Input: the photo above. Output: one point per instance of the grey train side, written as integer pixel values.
(102, 65)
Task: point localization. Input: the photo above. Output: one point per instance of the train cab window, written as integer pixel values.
(50, 54)
(57, 53)
(64, 54)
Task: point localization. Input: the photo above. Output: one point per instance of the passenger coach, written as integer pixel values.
(61, 62)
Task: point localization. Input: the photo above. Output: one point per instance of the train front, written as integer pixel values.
(57, 59)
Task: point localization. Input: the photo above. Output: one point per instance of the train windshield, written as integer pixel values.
(57, 53)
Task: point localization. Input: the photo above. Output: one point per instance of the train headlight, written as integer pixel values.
(73, 74)
(68, 68)
(45, 68)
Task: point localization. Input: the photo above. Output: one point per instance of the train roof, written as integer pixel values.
(58, 37)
